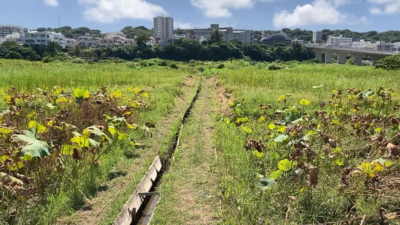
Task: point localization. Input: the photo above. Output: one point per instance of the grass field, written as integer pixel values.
(307, 144)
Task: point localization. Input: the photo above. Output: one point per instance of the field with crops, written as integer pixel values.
(306, 144)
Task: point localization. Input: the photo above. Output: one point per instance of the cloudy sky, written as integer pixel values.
(112, 15)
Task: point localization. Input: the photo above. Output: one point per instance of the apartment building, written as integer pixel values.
(317, 36)
(339, 41)
(10, 29)
(115, 39)
(35, 38)
(87, 41)
(163, 28)
(228, 34)
(70, 43)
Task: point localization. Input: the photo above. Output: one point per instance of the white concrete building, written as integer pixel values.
(301, 42)
(70, 43)
(339, 41)
(87, 41)
(228, 34)
(35, 38)
(317, 36)
(163, 28)
(10, 29)
(115, 39)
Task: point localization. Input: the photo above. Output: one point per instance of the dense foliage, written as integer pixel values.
(389, 63)
(69, 32)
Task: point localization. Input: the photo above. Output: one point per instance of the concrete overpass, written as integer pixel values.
(342, 52)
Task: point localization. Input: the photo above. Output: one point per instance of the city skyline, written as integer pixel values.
(113, 15)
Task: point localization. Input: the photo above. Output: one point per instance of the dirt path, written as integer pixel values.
(113, 193)
(188, 190)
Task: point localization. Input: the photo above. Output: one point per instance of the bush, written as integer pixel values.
(350, 61)
(78, 60)
(201, 69)
(389, 63)
(47, 59)
(151, 63)
(273, 67)
(162, 63)
(192, 63)
(312, 61)
(144, 64)
(13, 55)
(221, 66)
(174, 66)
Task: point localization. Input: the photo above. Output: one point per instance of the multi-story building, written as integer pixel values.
(163, 28)
(317, 36)
(35, 38)
(115, 39)
(88, 41)
(228, 34)
(339, 41)
(10, 29)
(70, 43)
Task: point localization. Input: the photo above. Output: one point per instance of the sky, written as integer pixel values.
(113, 15)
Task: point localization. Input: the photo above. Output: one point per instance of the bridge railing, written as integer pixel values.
(354, 50)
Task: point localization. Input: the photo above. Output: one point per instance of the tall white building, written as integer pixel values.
(163, 28)
(228, 34)
(317, 36)
(10, 29)
(35, 38)
(339, 41)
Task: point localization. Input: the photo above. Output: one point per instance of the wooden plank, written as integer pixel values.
(135, 201)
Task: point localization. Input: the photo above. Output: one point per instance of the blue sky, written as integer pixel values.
(113, 15)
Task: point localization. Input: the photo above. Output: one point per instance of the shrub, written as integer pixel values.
(389, 63)
(47, 59)
(174, 66)
(350, 61)
(137, 60)
(201, 69)
(162, 63)
(192, 63)
(312, 61)
(151, 63)
(13, 55)
(144, 64)
(273, 67)
(78, 60)
(221, 66)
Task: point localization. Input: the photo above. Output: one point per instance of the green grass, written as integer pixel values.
(240, 170)
(163, 85)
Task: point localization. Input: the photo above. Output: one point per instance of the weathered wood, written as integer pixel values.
(135, 201)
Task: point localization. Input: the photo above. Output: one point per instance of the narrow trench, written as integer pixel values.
(145, 213)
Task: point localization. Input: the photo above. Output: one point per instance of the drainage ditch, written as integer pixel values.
(142, 215)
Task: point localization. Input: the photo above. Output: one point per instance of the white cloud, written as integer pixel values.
(53, 3)
(318, 12)
(181, 25)
(107, 11)
(385, 6)
(220, 8)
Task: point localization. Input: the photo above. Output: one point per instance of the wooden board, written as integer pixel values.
(135, 201)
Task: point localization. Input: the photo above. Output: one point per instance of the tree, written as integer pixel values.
(13, 55)
(141, 39)
(215, 36)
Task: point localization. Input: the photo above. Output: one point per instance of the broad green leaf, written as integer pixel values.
(265, 184)
(122, 136)
(261, 119)
(339, 162)
(275, 156)
(37, 127)
(247, 130)
(378, 130)
(271, 126)
(67, 150)
(276, 174)
(34, 147)
(281, 138)
(281, 129)
(281, 98)
(81, 141)
(51, 106)
(285, 165)
(337, 149)
(5, 132)
(258, 154)
(131, 126)
(61, 100)
(242, 120)
(337, 122)
(227, 121)
(304, 102)
(117, 94)
(112, 130)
